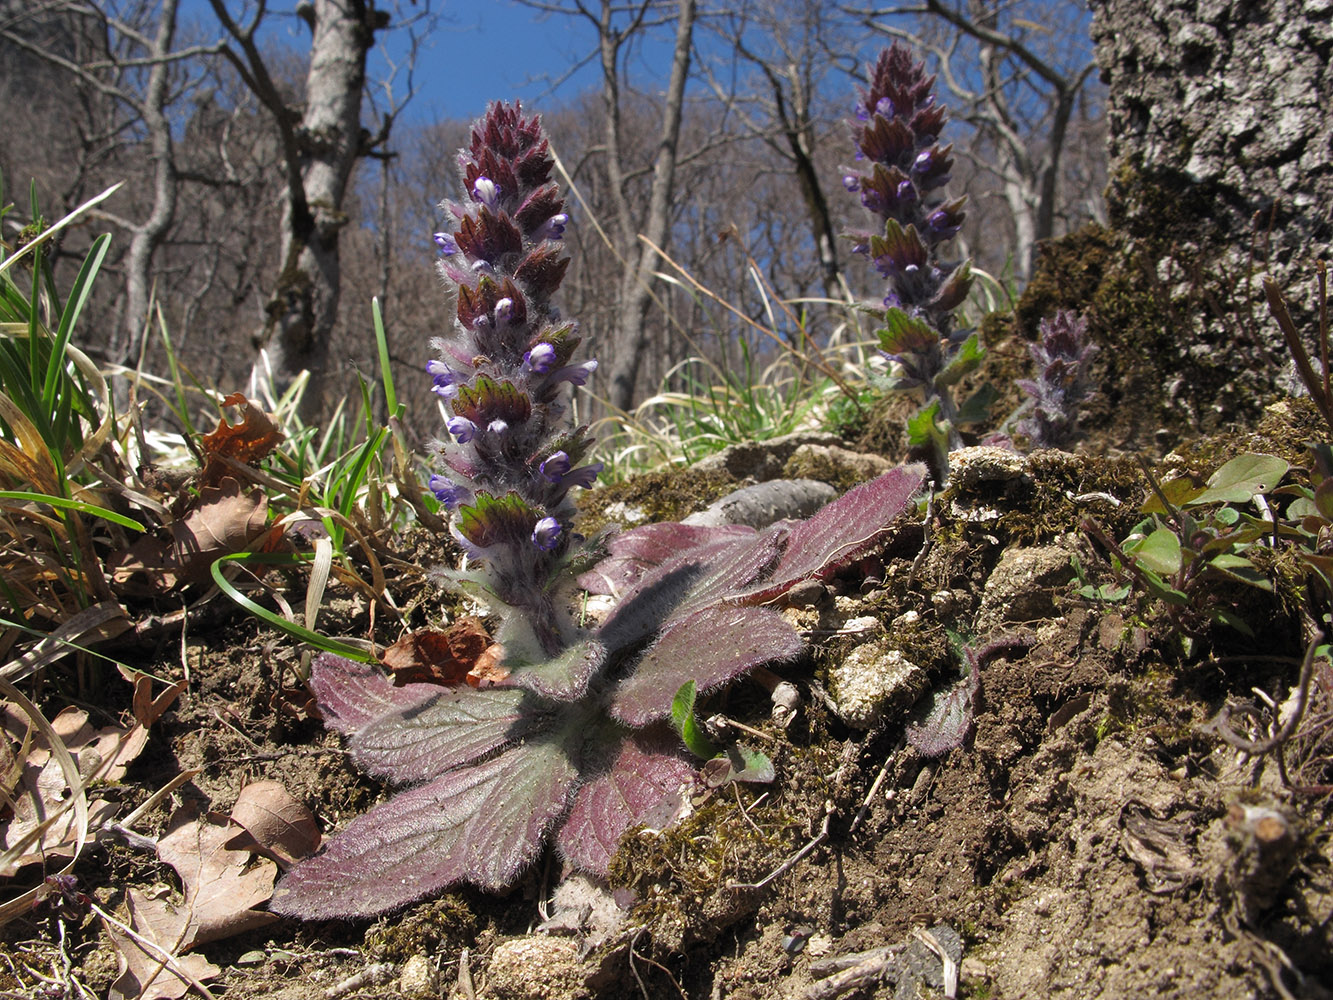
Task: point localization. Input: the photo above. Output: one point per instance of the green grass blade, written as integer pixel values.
(79, 506)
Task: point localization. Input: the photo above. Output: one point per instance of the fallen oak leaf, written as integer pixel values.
(220, 886)
(222, 520)
(144, 972)
(246, 441)
(274, 824)
(146, 708)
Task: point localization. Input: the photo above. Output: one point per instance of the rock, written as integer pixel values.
(1023, 586)
(536, 968)
(762, 460)
(418, 979)
(874, 680)
(763, 503)
(837, 466)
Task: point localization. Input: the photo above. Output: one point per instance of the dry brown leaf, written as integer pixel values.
(432, 656)
(42, 790)
(489, 669)
(221, 886)
(138, 965)
(275, 823)
(246, 442)
(223, 520)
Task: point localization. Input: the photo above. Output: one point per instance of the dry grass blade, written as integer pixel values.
(68, 638)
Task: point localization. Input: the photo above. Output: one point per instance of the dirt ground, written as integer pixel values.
(1093, 838)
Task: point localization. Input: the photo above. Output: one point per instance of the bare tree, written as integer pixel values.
(322, 140)
(1019, 98)
(135, 68)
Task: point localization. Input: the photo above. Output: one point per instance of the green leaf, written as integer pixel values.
(1242, 479)
(976, 409)
(970, 354)
(924, 428)
(684, 722)
(904, 334)
(76, 505)
(1178, 492)
(1159, 552)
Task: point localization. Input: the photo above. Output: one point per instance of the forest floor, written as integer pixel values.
(1093, 838)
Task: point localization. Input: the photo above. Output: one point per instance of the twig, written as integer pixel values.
(633, 954)
(867, 968)
(787, 865)
(874, 789)
(1257, 748)
(371, 975)
(465, 986)
(926, 539)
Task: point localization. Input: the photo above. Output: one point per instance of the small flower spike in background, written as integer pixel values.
(1062, 384)
(900, 175)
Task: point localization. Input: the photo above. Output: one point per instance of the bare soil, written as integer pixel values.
(1090, 840)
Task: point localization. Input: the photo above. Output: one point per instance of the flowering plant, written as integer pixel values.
(902, 171)
(576, 740)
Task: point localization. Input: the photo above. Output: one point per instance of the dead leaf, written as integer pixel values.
(223, 520)
(274, 823)
(246, 442)
(488, 670)
(148, 709)
(42, 791)
(142, 971)
(432, 656)
(221, 886)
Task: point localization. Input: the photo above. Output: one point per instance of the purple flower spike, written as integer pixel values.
(555, 468)
(546, 535)
(486, 192)
(461, 428)
(446, 244)
(541, 359)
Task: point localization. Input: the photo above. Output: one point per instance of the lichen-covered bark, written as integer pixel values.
(1222, 171)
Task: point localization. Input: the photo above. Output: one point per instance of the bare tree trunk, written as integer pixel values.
(148, 236)
(321, 145)
(640, 260)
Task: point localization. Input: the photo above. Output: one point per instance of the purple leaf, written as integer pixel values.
(639, 786)
(455, 727)
(841, 532)
(950, 718)
(634, 552)
(482, 824)
(352, 694)
(708, 573)
(709, 647)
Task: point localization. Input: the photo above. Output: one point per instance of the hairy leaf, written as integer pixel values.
(640, 785)
(481, 824)
(565, 676)
(841, 532)
(454, 727)
(684, 722)
(632, 553)
(352, 694)
(709, 647)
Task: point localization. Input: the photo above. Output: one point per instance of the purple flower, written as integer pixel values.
(851, 182)
(553, 228)
(584, 475)
(444, 489)
(541, 359)
(461, 428)
(546, 535)
(486, 192)
(576, 374)
(446, 380)
(497, 427)
(504, 312)
(555, 468)
(446, 244)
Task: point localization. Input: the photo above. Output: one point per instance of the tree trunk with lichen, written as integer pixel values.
(1221, 172)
